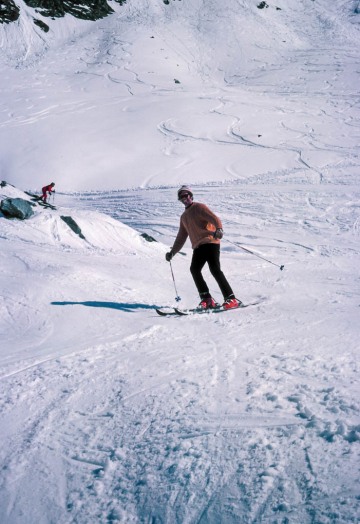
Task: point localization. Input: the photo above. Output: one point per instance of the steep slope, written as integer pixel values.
(109, 413)
(194, 91)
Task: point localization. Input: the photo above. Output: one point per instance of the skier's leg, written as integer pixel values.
(213, 259)
(197, 263)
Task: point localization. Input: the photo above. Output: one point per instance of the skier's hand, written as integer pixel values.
(219, 233)
(169, 256)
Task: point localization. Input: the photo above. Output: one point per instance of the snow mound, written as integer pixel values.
(10, 191)
(47, 228)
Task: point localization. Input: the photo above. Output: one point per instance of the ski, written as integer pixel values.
(165, 312)
(38, 200)
(174, 311)
(32, 195)
(50, 206)
(220, 309)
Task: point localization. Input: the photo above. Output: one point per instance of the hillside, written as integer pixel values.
(109, 412)
(157, 94)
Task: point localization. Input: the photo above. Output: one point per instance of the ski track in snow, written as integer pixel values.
(112, 414)
(295, 106)
(243, 417)
(128, 453)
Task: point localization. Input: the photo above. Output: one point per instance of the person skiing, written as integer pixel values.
(47, 190)
(205, 231)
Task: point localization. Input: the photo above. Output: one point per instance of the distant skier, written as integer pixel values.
(204, 229)
(47, 190)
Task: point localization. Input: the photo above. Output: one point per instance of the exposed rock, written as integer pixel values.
(148, 237)
(73, 225)
(42, 25)
(16, 208)
(9, 11)
(84, 9)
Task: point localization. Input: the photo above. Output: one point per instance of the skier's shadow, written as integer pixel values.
(111, 305)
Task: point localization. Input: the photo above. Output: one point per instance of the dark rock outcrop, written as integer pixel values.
(9, 11)
(148, 238)
(41, 24)
(73, 225)
(16, 208)
(84, 9)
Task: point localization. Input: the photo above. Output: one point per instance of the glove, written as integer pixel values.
(219, 233)
(169, 256)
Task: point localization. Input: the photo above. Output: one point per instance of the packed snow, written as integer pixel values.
(109, 412)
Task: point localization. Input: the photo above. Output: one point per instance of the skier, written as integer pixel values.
(205, 231)
(47, 190)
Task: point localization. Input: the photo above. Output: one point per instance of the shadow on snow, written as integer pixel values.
(111, 305)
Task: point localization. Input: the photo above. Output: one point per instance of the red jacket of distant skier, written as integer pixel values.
(48, 188)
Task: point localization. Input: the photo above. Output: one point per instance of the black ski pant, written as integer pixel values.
(209, 253)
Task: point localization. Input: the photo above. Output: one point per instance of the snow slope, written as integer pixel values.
(259, 91)
(108, 412)
(111, 413)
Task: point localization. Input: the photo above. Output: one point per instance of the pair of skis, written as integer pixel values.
(45, 204)
(174, 311)
(38, 200)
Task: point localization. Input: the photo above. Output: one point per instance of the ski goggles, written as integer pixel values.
(184, 196)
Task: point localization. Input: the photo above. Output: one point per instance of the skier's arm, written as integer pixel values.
(180, 239)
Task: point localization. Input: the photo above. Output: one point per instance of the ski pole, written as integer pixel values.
(255, 254)
(177, 298)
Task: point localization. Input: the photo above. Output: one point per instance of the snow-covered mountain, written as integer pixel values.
(195, 91)
(108, 412)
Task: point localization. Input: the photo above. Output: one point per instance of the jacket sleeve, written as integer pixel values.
(180, 239)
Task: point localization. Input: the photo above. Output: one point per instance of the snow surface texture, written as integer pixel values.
(110, 413)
